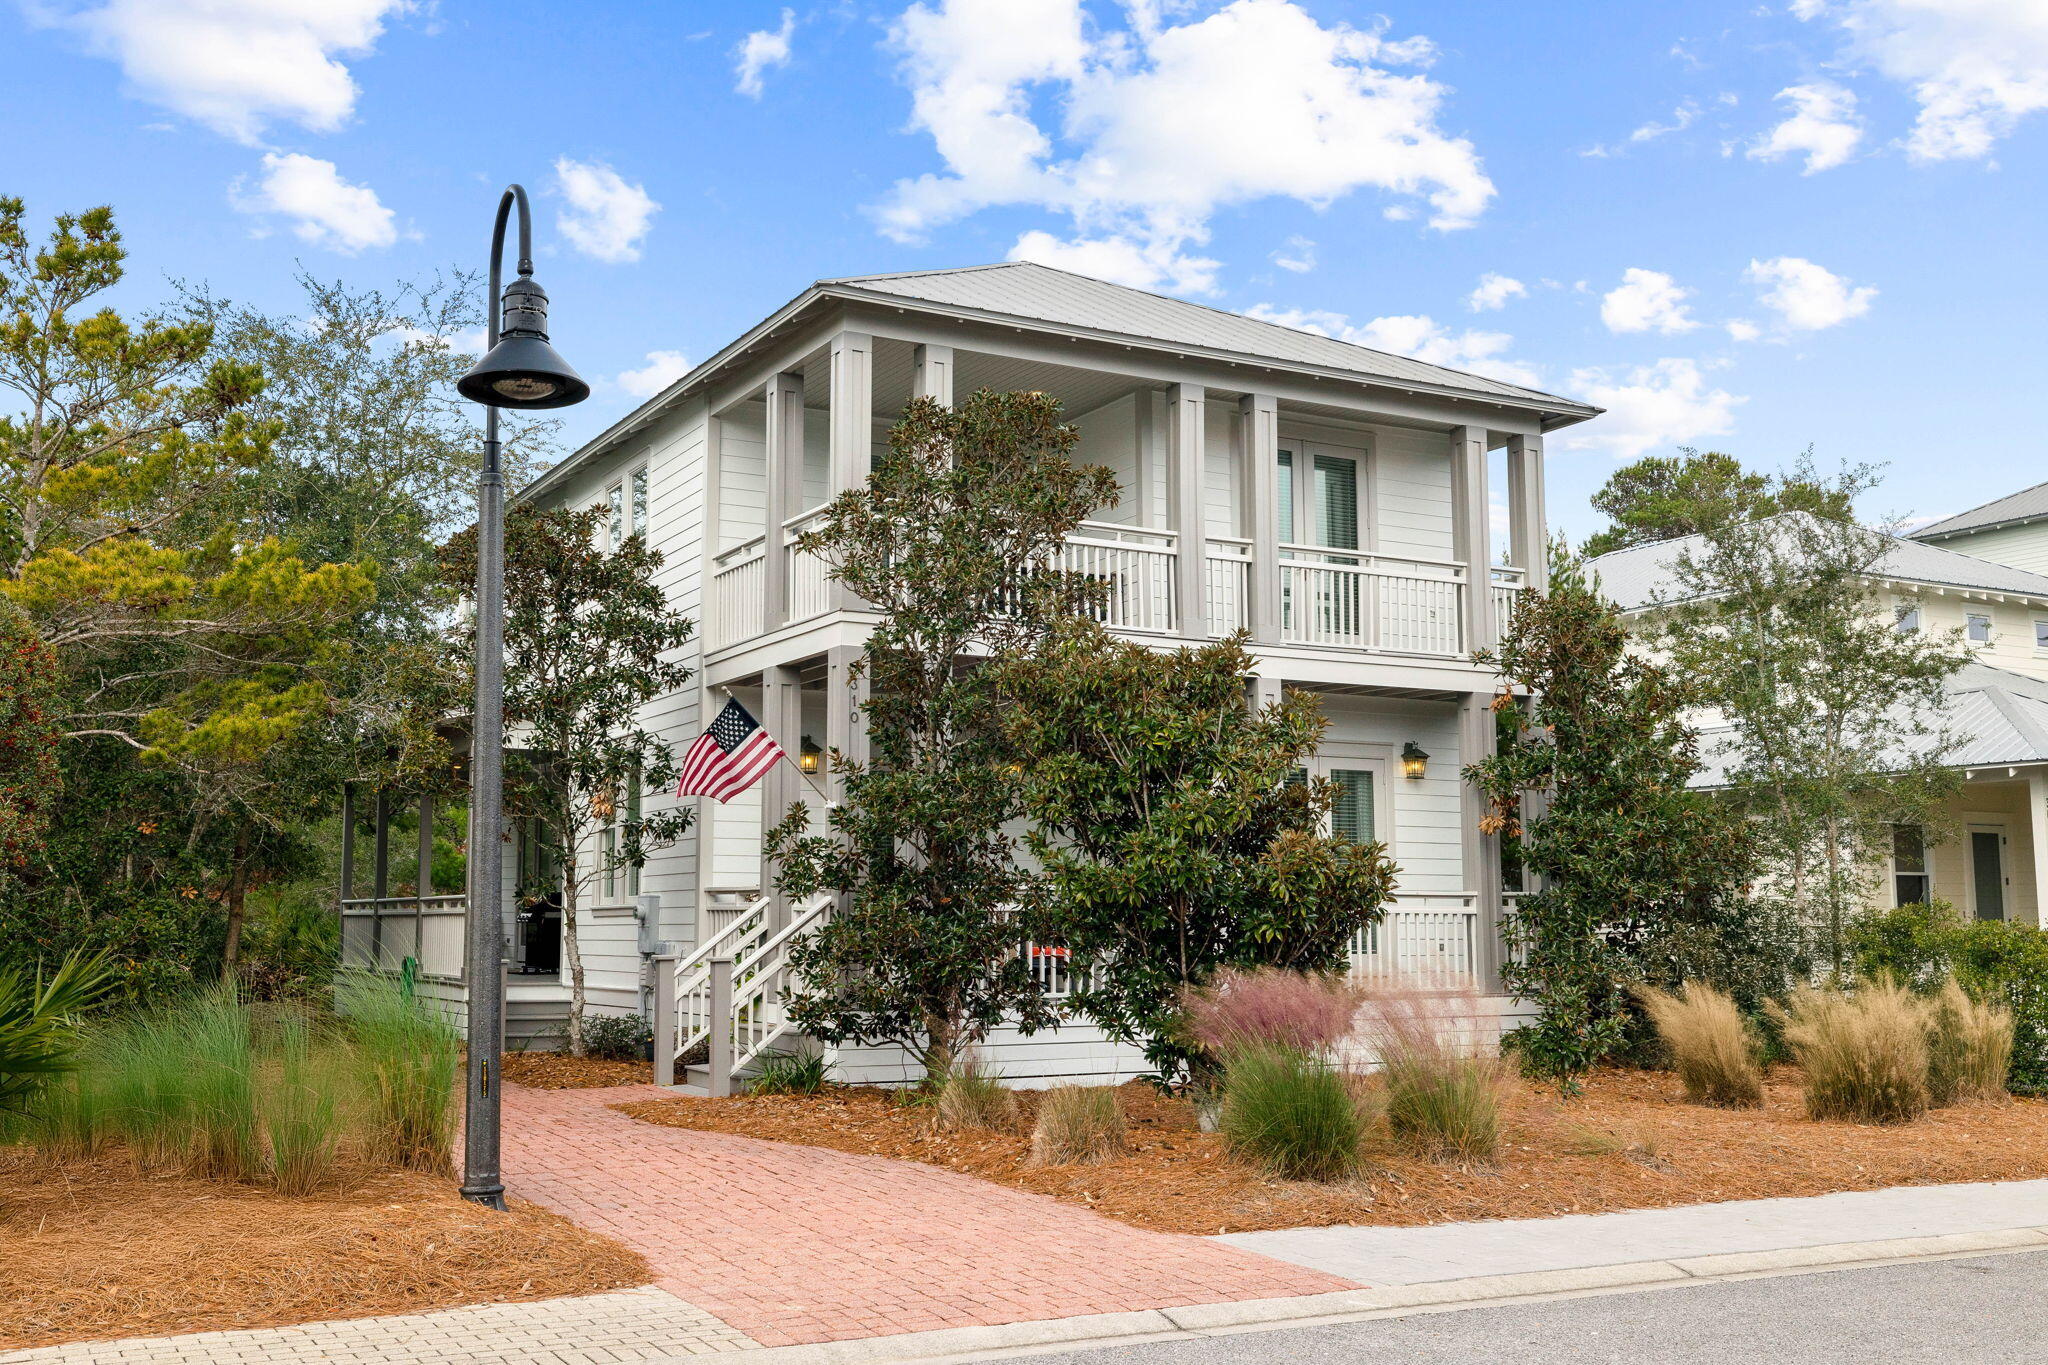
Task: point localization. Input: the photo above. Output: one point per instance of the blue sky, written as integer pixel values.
(1750, 227)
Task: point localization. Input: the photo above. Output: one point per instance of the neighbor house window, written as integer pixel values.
(2041, 635)
(1978, 628)
(1908, 619)
(638, 506)
(1910, 882)
(615, 504)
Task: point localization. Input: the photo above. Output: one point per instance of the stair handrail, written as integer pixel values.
(738, 941)
(772, 964)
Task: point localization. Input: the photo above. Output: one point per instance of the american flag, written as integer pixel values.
(729, 756)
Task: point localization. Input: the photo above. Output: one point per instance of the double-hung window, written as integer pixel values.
(1977, 626)
(625, 505)
(1908, 618)
(1911, 884)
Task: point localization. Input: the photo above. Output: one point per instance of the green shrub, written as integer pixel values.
(1914, 943)
(1969, 1047)
(408, 1057)
(1077, 1124)
(790, 1073)
(39, 1015)
(1864, 1054)
(2006, 962)
(291, 942)
(973, 1097)
(1712, 1047)
(617, 1037)
(1291, 1114)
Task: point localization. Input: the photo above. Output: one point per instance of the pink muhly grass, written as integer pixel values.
(1268, 1007)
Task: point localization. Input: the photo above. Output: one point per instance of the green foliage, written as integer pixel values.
(617, 1037)
(950, 542)
(1913, 943)
(407, 1057)
(220, 1055)
(1837, 727)
(28, 741)
(1624, 849)
(1291, 1114)
(300, 1118)
(1173, 843)
(291, 946)
(1661, 497)
(2006, 962)
(589, 641)
(790, 1073)
(39, 1024)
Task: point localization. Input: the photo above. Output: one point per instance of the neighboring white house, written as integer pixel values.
(1331, 499)
(1997, 865)
(2009, 530)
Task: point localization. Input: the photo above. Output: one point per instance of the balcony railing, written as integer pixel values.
(1135, 566)
(739, 592)
(1361, 600)
(381, 934)
(810, 591)
(1422, 938)
(1507, 590)
(1227, 583)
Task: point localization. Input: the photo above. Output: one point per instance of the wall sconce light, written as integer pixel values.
(1414, 762)
(809, 755)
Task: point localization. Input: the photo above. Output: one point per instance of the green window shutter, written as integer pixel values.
(1337, 502)
(1352, 817)
(1286, 497)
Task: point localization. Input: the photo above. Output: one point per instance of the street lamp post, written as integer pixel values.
(519, 370)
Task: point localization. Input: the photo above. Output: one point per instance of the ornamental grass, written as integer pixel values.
(1864, 1055)
(972, 1096)
(1291, 1114)
(1969, 1047)
(1442, 1094)
(1713, 1047)
(1077, 1125)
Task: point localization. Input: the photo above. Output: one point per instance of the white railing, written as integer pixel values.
(380, 934)
(1363, 600)
(1507, 590)
(1227, 580)
(1135, 564)
(1421, 938)
(737, 940)
(739, 592)
(810, 591)
(760, 997)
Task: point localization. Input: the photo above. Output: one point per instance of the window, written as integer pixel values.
(638, 506)
(1908, 621)
(1352, 817)
(615, 503)
(2041, 635)
(1978, 628)
(633, 825)
(1910, 882)
(1286, 497)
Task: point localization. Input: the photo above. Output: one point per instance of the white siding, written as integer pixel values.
(1424, 836)
(2023, 547)
(743, 493)
(2012, 628)
(1411, 495)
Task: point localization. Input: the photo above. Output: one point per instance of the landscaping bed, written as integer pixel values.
(560, 1071)
(1629, 1142)
(96, 1251)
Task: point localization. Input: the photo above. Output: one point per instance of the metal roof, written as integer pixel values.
(1026, 293)
(2029, 504)
(1645, 574)
(2000, 716)
(1025, 289)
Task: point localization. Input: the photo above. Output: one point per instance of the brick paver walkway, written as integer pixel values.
(794, 1244)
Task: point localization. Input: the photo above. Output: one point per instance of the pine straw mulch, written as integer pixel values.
(93, 1250)
(560, 1071)
(1629, 1142)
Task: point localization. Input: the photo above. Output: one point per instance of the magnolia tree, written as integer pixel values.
(954, 542)
(1173, 839)
(589, 641)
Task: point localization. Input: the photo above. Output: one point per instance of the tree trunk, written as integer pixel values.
(237, 896)
(573, 951)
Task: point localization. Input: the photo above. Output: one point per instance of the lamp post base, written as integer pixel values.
(490, 1196)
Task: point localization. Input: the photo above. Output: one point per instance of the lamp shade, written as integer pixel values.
(522, 370)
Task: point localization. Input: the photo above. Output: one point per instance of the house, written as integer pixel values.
(1997, 704)
(1330, 499)
(2009, 530)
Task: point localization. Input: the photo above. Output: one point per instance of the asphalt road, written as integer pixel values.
(1981, 1309)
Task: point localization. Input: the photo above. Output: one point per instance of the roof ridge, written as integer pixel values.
(1989, 502)
(912, 274)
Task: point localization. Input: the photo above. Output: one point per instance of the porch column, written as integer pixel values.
(1528, 538)
(1470, 537)
(380, 875)
(852, 402)
(2037, 814)
(783, 458)
(781, 787)
(932, 374)
(348, 841)
(1260, 414)
(1186, 471)
(423, 883)
(846, 730)
(1262, 691)
(1481, 852)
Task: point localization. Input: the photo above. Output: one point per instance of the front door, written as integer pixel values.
(1319, 511)
(1987, 872)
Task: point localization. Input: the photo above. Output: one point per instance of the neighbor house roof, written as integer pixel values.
(1645, 574)
(1022, 292)
(2029, 504)
(2000, 716)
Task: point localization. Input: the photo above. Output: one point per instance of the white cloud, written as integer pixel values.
(662, 369)
(1298, 255)
(1646, 300)
(1493, 293)
(1416, 335)
(1742, 329)
(760, 50)
(606, 217)
(1823, 127)
(1141, 263)
(1665, 404)
(1161, 125)
(1808, 297)
(325, 209)
(235, 65)
(1976, 67)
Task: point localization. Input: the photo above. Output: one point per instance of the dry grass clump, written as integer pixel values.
(1713, 1047)
(1305, 1012)
(1864, 1055)
(1078, 1124)
(973, 1097)
(1969, 1047)
(1442, 1095)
